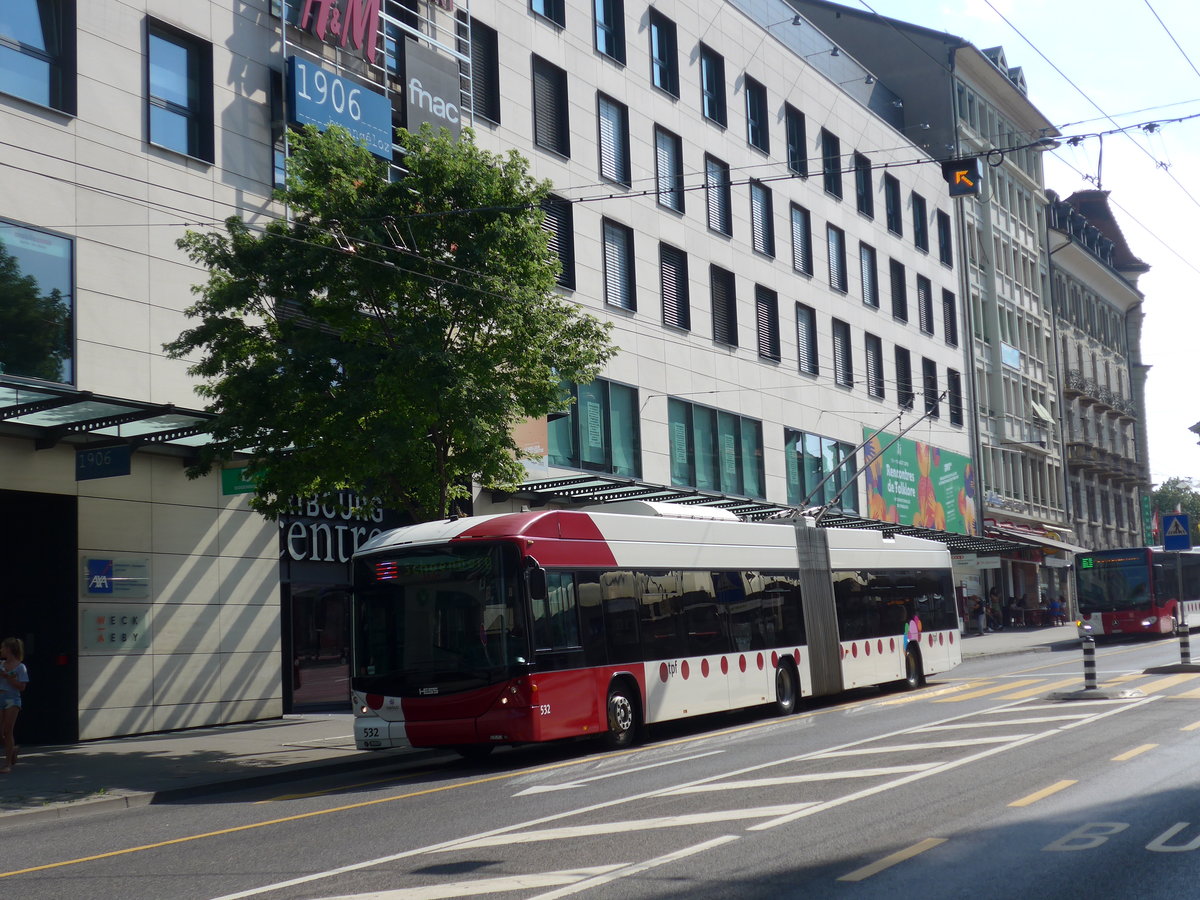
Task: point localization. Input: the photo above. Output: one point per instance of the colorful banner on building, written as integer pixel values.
(919, 484)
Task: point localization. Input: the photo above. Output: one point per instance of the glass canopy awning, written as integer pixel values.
(592, 489)
(53, 415)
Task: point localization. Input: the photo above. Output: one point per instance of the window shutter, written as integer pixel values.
(760, 219)
(676, 305)
(766, 304)
(843, 364)
(949, 318)
(925, 302)
(549, 107)
(874, 366)
(806, 338)
(670, 170)
(724, 309)
(559, 223)
(613, 138)
(801, 240)
(618, 266)
(870, 282)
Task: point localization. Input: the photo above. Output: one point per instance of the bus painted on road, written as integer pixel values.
(516, 628)
(1137, 591)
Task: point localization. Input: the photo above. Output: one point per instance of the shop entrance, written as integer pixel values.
(320, 646)
(39, 603)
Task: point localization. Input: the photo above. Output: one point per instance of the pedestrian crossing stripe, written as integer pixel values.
(1176, 529)
(1032, 687)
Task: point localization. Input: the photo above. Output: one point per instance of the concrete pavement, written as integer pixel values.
(106, 775)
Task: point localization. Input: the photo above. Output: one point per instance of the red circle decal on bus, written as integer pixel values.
(774, 660)
(662, 673)
(761, 661)
(742, 663)
(952, 637)
(724, 666)
(867, 647)
(941, 639)
(683, 669)
(704, 667)
(854, 650)
(880, 647)
(892, 645)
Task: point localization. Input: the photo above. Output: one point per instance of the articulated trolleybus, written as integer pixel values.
(1137, 591)
(538, 626)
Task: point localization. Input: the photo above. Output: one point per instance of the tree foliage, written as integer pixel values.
(386, 338)
(1179, 494)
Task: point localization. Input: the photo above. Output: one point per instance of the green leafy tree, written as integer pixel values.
(386, 338)
(1179, 494)
(34, 327)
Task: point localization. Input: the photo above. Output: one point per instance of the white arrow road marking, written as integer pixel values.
(579, 782)
(482, 886)
(932, 745)
(1031, 720)
(798, 779)
(628, 826)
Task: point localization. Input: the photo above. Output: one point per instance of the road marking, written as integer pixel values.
(888, 861)
(344, 787)
(1187, 695)
(481, 886)
(638, 868)
(1033, 691)
(798, 779)
(628, 826)
(1163, 683)
(1031, 720)
(1191, 727)
(579, 782)
(1136, 751)
(931, 745)
(995, 689)
(1043, 793)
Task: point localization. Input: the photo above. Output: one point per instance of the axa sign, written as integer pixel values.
(342, 22)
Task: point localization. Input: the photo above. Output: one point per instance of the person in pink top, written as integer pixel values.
(13, 678)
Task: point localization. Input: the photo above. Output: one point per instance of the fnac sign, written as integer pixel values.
(343, 21)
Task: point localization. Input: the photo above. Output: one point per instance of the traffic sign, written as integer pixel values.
(963, 177)
(1177, 532)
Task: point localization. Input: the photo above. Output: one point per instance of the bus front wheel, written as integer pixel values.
(622, 718)
(785, 690)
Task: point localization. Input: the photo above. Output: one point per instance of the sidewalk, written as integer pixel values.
(55, 781)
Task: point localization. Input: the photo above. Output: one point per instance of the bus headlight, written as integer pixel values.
(1148, 621)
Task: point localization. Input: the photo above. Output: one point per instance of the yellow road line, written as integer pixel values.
(344, 787)
(1163, 683)
(1030, 692)
(888, 861)
(1192, 727)
(985, 691)
(1043, 793)
(1136, 751)
(1187, 695)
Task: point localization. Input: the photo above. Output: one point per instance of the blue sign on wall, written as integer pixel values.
(321, 98)
(102, 462)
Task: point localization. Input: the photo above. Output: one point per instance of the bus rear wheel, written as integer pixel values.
(912, 671)
(622, 718)
(785, 690)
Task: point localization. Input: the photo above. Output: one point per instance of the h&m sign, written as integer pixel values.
(344, 21)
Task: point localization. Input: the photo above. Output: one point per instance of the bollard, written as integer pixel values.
(1185, 645)
(1089, 663)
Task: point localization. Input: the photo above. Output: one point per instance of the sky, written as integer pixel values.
(1092, 66)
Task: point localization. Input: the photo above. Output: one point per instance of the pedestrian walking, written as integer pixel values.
(13, 678)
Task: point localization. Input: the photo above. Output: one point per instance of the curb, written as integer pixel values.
(67, 809)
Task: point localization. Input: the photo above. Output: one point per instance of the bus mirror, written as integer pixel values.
(535, 577)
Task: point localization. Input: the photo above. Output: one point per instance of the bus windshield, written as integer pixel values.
(1115, 583)
(436, 620)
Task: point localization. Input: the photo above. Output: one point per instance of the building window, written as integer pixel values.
(37, 52)
(945, 239)
(757, 133)
(724, 306)
(920, 222)
(614, 139)
(835, 240)
(668, 169)
(610, 28)
(801, 240)
(714, 450)
(891, 199)
(950, 318)
(766, 305)
(874, 347)
(600, 431)
(954, 396)
(868, 262)
(899, 291)
(664, 53)
(37, 315)
(797, 143)
(618, 266)
(806, 339)
(554, 10)
(485, 72)
(925, 304)
(719, 195)
(843, 360)
(180, 99)
(818, 470)
(929, 382)
(559, 222)
(863, 189)
(762, 218)
(831, 162)
(712, 85)
(904, 385)
(551, 126)
(676, 294)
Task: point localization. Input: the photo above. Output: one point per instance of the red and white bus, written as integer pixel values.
(1137, 591)
(537, 626)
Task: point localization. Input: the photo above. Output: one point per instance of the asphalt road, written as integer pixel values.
(979, 784)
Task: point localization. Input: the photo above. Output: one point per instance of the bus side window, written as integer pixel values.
(556, 618)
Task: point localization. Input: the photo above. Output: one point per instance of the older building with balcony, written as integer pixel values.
(1098, 312)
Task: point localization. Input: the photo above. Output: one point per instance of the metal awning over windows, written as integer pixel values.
(53, 415)
(1040, 540)
(575, 490)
